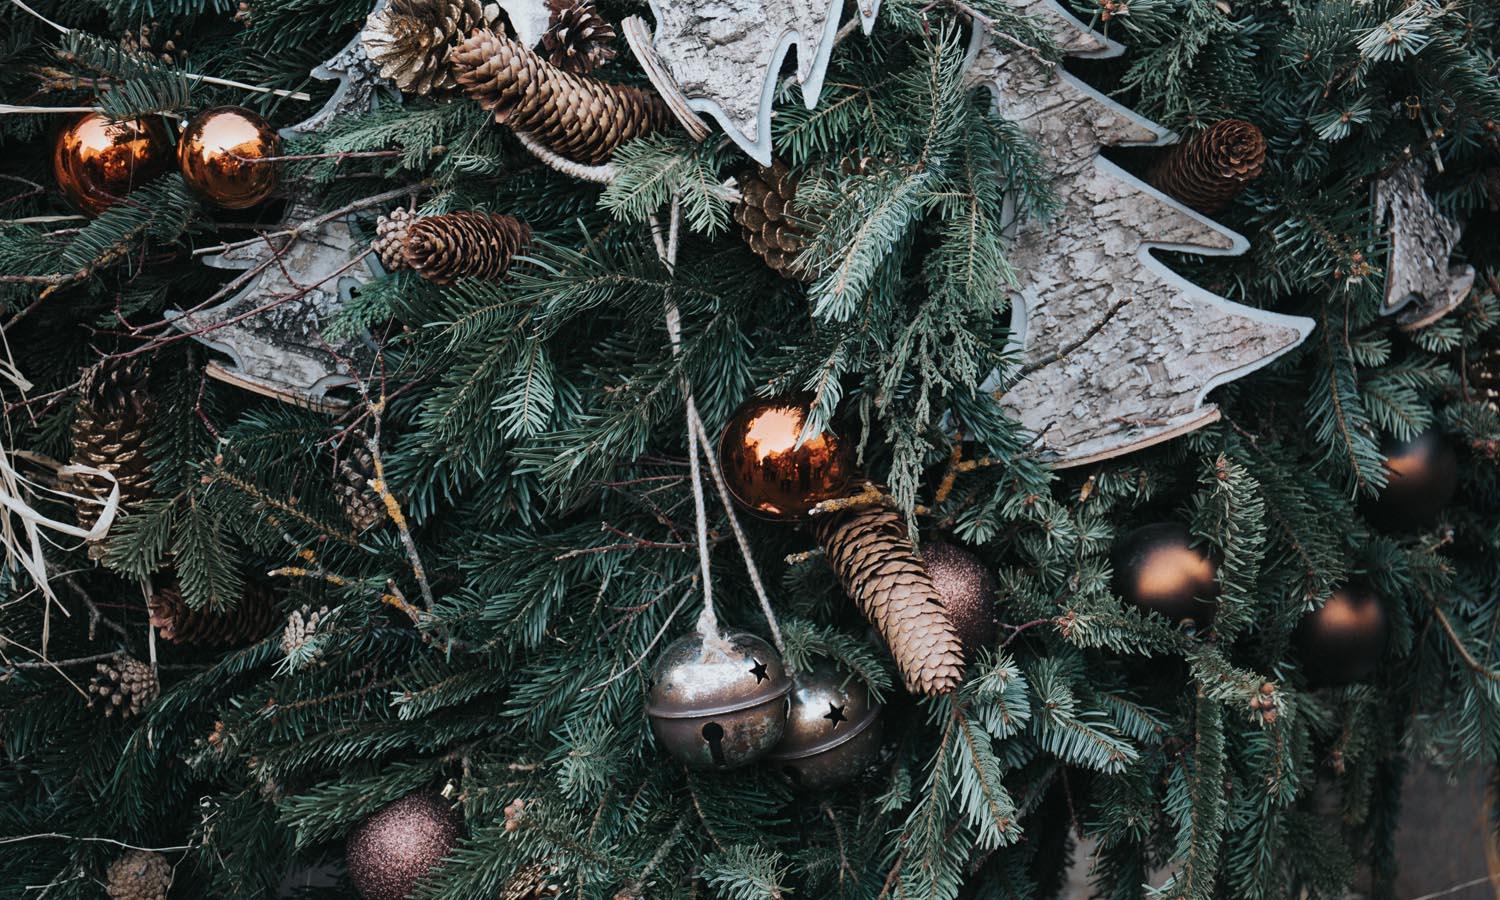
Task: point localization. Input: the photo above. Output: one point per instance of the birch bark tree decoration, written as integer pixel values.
(1420, 283)
(1117, 351)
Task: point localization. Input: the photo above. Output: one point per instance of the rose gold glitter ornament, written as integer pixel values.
(388, 853)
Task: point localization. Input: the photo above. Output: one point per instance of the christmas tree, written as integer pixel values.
(760, 449)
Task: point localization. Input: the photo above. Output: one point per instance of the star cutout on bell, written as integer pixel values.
(835, 714)
(759, 671)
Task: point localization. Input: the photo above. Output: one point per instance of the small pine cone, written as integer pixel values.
(109, 433)
(533, 881)
(410, 41)
(138, 875)
(242, 13)
(1207, 170)
(1484, 376)
(301, 627)
(251, 619)
(579, 38)
(363, 507)
(875, 562)
(457, 245)
(147, 40)
(123, 685)
(769, 218)
(577, 117)
(390, 238)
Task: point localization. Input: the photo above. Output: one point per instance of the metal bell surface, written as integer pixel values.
(720, 702)
(832, 732)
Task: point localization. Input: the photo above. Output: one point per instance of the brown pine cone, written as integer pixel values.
(532, 881)
(577, 117)
(390, 238)
(123, 685)
(875, 562)
(251, 619)
(458, 245)
(410, 41)
(363, 507)
(138, 875)
(1209, 169)
(579, 38)
(770, 220)
(109, 433)
(149, 40)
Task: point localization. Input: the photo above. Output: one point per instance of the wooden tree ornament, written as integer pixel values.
(1421, 285)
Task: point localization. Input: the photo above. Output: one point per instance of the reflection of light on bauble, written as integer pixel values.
(218, 155)
(1342, 641)
(765, 469)
(1158, 568)
(720, 702)
(97, 161)
(832, 729)
(1421, 479)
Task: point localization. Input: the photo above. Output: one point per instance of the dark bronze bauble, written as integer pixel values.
(1421, 479)
(388, 853)
(1157, 568)
(967, 587)
(720, 702)
(221, 152)
(768, 473)
(97, 161)
(1342, 641)
(832, 730)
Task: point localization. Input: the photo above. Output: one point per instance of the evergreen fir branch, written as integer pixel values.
(806, 641)
(326, 812)
(745, 872)
(1230, 513)
(982, 797)
(1195, 799)
(653, 170)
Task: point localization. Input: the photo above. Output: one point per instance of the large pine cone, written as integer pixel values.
(138, 875)
(577, 117)
(579, 39)
(877, 565)
(769, 218)
(1209, 169)
(122, 685)
(251, 619)
(410, 40)
(458, 245)
(109, 433)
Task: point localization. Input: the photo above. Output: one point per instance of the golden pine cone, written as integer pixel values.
(410, 41)
(390, 238)
(138, 875)
(363, 507)
(877, 565)
(457, 245)
(769, 218)
(579, 38)
(251, 619)
(577, 117)
(1209, 169)
(123, 684)
(109, 433)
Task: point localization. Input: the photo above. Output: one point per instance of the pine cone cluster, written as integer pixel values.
(109, 433)
(149, 40)
(579, 38)
(138, 875)
(769, 218)
(410, 41)
(877, 565)
(451, 246)
(362, 506)
(1209, 169)
(1484, 376)
(301, 627)
(575, 116)
(123, 684)
(532, 881)
(251, 619)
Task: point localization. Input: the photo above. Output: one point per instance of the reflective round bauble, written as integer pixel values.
(1342, 641)
(1421, 479)
(967, 587)
(388, 853)
(768, 472)
(220, 155)
(832, 730)
(718, 702)
(1157, 568)
(97, 161)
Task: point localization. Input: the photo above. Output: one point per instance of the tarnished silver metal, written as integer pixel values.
(832, 732)
(719, 703)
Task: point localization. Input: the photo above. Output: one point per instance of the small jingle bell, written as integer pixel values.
(719, 702)
(832, 732)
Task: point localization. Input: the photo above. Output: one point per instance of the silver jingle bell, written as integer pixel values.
(832, 732)
(720, 702)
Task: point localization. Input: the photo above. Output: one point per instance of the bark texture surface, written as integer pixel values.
(1420, 283)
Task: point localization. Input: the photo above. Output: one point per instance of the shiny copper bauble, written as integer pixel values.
(219, 155)
(832, 730)
(1157, 568)
(768, 473)
(967, 587)
(97, 161)
(1421, 479)
(388, 853)
(1342, 641)
(718, 703)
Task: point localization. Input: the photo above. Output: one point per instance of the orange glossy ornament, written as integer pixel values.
(765, 469)
(220, 156)
(97, 161)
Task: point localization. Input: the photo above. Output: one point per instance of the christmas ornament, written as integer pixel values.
(444, 248)
(410, 41)
(718, 702)
(875, 562)
(1118, 351)
(534, 881)
(97, 161)
(832, 729)
(138, 875)
(1157, 568)
(1209, 169)
(222, 154)
(1342, 641)
(363, 507)
(1421, 479)
(579, 39)
(122, 685)
(575, 116)
(770, 221)
(768, 472)
(1420, 282)
(967, 589)
(109, 433)
(388, 853)
(251, 619)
